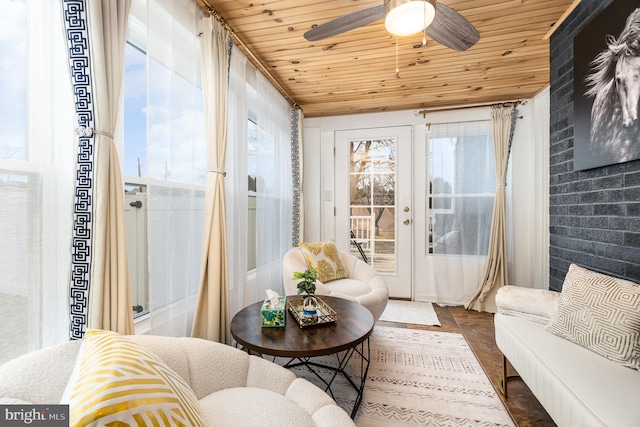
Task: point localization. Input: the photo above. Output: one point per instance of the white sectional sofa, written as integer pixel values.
(576, 386)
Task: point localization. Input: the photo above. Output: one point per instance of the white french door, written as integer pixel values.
(419, 205)
(374, 201)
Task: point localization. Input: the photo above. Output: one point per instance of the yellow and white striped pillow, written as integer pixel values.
(117, 382)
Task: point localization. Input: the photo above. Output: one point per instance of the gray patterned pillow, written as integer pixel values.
(601, 313)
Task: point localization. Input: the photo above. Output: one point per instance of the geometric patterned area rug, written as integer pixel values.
(420, 378)
(418, 313)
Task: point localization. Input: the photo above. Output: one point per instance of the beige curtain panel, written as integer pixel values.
(496, 272)
(110, 296)
(109, 304)
(212, 320)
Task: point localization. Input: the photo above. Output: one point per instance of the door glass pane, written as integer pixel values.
(372, 201)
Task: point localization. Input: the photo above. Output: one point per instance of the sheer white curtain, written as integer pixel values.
(259, 150)
(273, 186)
(176, 164)
(37, 158)
(236, 180)
(461, 176)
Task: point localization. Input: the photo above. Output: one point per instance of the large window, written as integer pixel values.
(257, 185)
(135, 172)
(36, 177)
(263, 188)
(164, 163)
(252, 178)
(461, 188)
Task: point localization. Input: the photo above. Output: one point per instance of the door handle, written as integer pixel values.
(406, 221)
(136, 204)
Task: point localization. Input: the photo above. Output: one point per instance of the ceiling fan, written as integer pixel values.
(406, 17)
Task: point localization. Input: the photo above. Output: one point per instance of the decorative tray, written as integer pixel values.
(325, 314)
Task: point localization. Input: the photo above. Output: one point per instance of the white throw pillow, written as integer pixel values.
(601, 313)
(117, 382)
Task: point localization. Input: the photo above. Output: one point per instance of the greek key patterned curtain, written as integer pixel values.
(297, 173)
(100, 295)
(496, 274)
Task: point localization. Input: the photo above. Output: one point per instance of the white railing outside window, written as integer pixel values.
(363, 230)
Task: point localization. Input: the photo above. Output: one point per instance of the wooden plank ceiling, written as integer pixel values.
(355, 72)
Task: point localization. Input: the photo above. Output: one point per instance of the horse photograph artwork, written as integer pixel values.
(607, 88)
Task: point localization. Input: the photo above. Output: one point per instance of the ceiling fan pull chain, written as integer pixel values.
(424, 21)
(397, 69)
(424, 30)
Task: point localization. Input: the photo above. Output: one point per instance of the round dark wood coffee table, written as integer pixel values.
(346, 337)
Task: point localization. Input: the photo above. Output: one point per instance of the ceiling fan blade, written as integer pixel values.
(451, 29)
(346, 23)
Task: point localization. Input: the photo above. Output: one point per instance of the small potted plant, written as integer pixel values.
(307, 286)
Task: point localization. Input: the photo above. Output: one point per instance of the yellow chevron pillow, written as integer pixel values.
(116, 382)
(324, 257)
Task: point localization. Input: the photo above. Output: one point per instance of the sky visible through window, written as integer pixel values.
(163, 123)
(252, 153)
(135, 112)
(13, 68)
(261, 159)
(442, 158)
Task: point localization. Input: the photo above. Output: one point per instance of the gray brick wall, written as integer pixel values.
(594, 214)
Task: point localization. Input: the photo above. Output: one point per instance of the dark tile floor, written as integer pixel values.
(477, 328)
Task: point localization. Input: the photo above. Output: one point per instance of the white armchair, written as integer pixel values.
(364, 285)
(233, 388)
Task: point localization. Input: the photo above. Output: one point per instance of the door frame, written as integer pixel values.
(401, 283)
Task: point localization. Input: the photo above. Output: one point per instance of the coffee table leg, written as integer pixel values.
(363, 349)
(364, 369)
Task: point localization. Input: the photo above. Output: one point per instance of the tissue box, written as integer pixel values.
(273, 317)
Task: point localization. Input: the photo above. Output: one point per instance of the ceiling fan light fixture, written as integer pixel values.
(406, 17)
